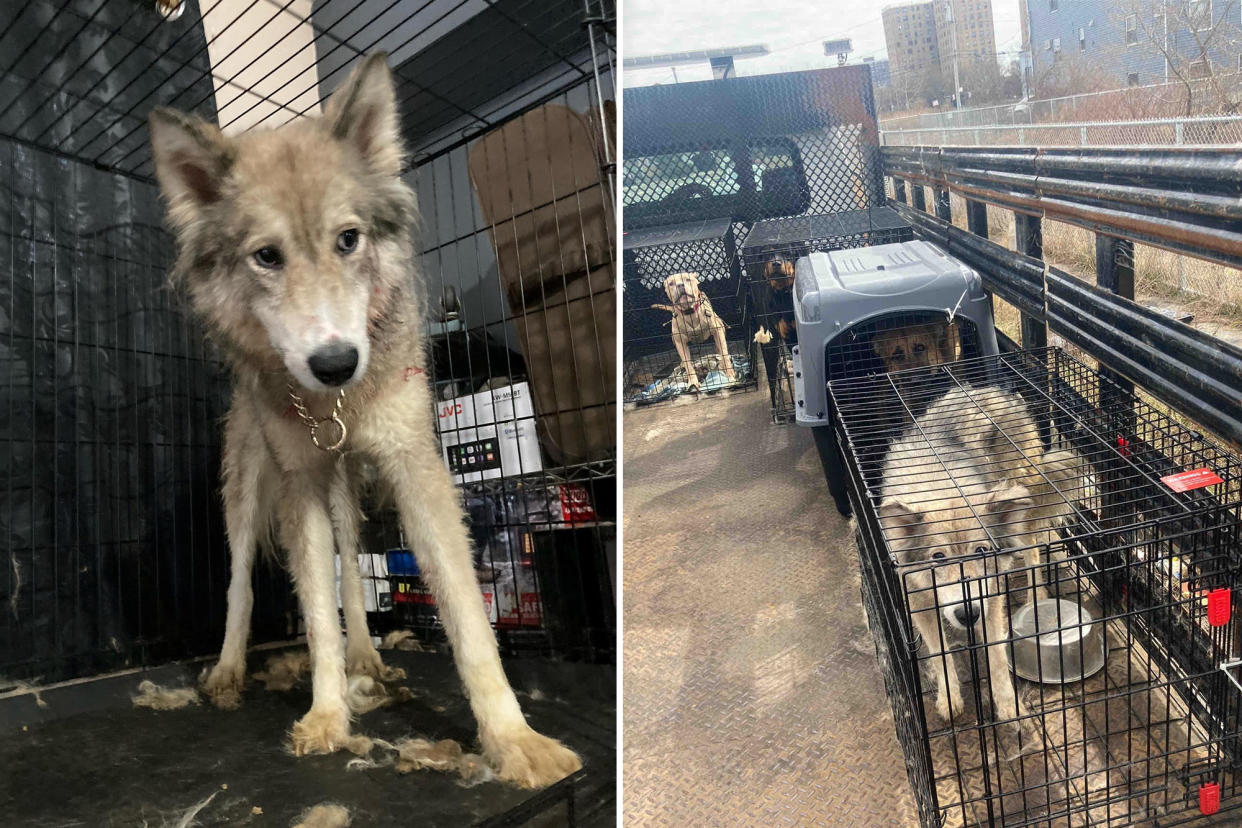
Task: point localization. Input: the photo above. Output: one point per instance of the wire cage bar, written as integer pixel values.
(114, 553)
(1048, 569)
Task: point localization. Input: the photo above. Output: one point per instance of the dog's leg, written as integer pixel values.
(949, 701)
(306, 532)
(433, 518)
(242, 467)
(722, 348)
(996, 619)
(682, 344)
(361, 657)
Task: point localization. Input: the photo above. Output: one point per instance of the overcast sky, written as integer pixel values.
(793, 29)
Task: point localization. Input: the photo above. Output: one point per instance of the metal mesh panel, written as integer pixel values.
(113, 548)
(1033, 479)
(751, 148)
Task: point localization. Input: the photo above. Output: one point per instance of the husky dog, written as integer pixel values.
(294, 246)
(694, 320)
(966, 485)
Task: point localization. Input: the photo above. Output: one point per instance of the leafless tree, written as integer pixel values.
(1191, 37)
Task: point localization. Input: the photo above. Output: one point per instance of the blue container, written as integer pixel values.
(402, 562)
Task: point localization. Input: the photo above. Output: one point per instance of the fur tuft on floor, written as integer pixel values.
(158, 697)
(402, 640)
(412, 754)
(327, 815)
(284, 670)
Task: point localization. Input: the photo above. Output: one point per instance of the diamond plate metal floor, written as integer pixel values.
(751, 695)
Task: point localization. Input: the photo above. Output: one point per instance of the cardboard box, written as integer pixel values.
(490, 434)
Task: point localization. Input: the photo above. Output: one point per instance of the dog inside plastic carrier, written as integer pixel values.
(1048, 566)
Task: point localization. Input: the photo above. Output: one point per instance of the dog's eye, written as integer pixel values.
(347, 242)
(918, 349)
(268, 257)
(937, 555)
(981, 550)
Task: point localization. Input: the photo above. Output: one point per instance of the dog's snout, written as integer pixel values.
(334, 363)
(966, 614)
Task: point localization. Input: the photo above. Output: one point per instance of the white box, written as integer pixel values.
(490, 434)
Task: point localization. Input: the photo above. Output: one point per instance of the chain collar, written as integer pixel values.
(313, 424)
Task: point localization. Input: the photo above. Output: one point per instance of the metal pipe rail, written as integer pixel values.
(1189, 370)
(1185, 200)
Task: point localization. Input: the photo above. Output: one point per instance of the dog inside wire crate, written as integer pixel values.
(1050, 565)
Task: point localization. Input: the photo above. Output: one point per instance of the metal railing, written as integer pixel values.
(1179, 199)
(1211, 130)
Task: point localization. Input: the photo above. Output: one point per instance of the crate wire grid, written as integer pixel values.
(135, 394)
(222, 74)
(708, 249)
(1139, 553)
(749, 150)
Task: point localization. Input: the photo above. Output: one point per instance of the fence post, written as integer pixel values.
(1114, 271)
(943, 210)
(1082, 135)
(977, 217)
(919, 197)
(899, 190)
(1029, 240)
(1178, 134)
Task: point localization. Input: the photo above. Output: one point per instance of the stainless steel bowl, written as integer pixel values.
(1069, 646)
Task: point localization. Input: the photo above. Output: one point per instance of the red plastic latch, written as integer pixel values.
(1219, 607)
(1209, 798)
(1123, 446)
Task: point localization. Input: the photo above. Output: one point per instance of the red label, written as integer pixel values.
(1209, 798)
(576, 503)
(1123, 446)
(1218, 607)
(1193, 479)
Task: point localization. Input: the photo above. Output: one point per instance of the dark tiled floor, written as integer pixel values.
(752, 695)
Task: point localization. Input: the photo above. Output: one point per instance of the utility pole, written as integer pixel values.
(957, 84)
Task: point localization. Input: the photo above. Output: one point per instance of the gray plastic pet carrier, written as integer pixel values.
(848, 302)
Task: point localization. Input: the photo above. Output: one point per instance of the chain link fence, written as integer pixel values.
(1197, 131)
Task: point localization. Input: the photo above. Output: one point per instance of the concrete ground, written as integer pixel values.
(752, 695)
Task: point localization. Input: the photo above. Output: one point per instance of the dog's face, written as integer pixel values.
(947, 558)
(682, 290)
(917, 346)
(779, 272)
(293, 242)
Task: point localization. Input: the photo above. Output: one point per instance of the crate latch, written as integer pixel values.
(1219, 607)
(1209, 798)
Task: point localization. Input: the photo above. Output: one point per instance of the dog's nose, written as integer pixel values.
(334, 363)
(966, 615)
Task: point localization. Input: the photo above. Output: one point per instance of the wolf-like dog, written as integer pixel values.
(964, 487)
(915, 346)
(294, 245)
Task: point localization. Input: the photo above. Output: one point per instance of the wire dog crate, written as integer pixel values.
(769, 255)
(1048, 569)
(653, 371)
(704, 161)
(113, 546)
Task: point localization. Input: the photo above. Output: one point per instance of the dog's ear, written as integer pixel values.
(192, 159)
(900, 520)
(362, 112)
(1007, 507)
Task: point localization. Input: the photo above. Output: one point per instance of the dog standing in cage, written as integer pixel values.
(694, 320)
(965, 486)
(294, 245)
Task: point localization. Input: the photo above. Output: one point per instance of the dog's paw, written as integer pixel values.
(223, 685)
(325, 731)
(946, 710)
(1006, 707)
(366, 661)
(530, 760)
